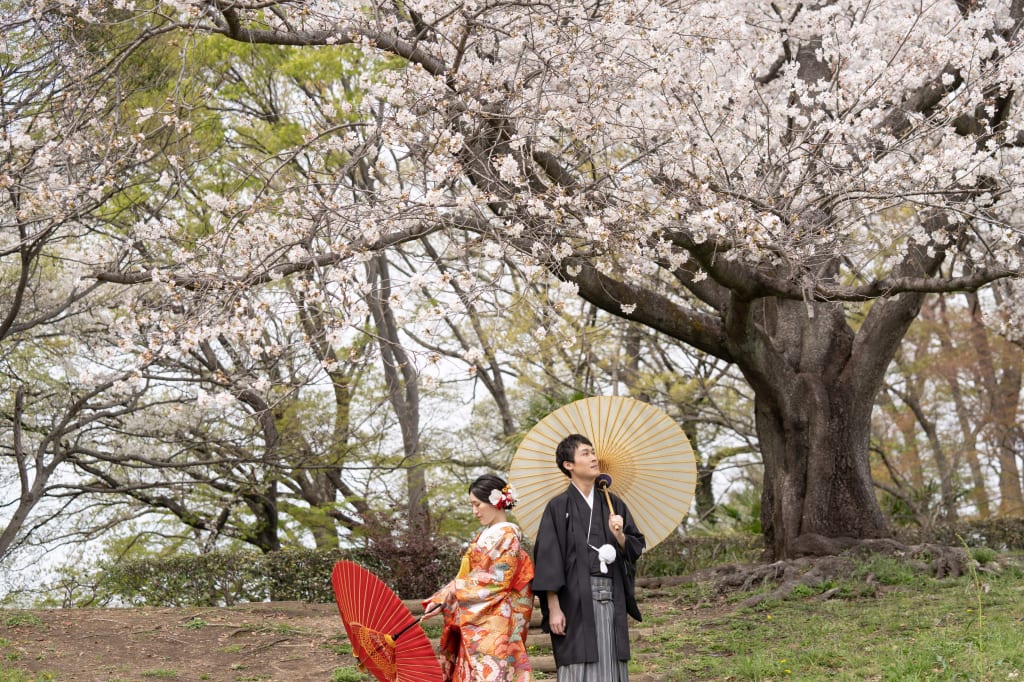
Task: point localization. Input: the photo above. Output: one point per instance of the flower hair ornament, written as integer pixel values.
(505, 498)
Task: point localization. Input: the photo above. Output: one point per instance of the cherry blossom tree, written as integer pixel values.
(62, 157)
(778, 185)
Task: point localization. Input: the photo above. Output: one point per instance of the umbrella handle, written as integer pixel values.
(608, 499)
(426, 613)
(603, 482)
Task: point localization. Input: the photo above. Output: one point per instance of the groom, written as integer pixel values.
(585, 557)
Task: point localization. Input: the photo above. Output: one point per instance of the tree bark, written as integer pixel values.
(813, 438)
(403, 391)
(815, 382)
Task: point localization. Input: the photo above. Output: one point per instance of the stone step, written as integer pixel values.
(543, 664)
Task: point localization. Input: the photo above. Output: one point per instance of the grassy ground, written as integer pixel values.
(883, 622)
(894, 626)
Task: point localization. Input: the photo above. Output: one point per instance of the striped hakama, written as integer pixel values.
(607, 668)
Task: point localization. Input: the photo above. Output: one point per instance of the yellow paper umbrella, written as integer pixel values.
(645, 452)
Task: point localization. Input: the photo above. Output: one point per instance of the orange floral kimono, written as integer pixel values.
(487, 610)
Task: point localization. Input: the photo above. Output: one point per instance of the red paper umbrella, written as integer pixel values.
(385, 636)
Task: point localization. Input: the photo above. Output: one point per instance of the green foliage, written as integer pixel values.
(206, 580)
(412, 569)
(1001, 534)
(740, 512)
(684, 555)
(984, 555)
(906, 511)
(22, 620)
(195, 624)
(305, 575)
(541, 404)
(221, 578)
(888, 570)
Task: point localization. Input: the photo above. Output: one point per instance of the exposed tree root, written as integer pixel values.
(820, 560)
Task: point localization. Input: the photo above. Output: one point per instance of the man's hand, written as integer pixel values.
(615, 526)
(556, 619)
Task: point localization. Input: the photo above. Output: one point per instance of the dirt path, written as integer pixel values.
(270, 642)
(282, 641)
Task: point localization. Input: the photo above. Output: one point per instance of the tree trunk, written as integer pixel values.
(31, 491)
(1008, 440)
(815, 381)
(403, 391)
(910, 465)
(261, 499)
(817, 476)
(947, 495)
(704, 494)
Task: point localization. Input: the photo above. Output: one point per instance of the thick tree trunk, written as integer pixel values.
(815, 381)
(817, 475)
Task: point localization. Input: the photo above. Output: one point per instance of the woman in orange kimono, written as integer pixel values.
(487, 607)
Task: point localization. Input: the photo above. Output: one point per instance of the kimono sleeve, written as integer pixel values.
(548, 556)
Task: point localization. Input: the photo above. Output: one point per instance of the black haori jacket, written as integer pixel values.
(562, 565)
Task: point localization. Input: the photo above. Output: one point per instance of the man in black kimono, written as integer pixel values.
(585, 565)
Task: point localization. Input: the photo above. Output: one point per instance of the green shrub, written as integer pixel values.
(215, 579)
(1000, 534)
(984, 555)
(412, 570)
(683, 555)
(305, 574)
